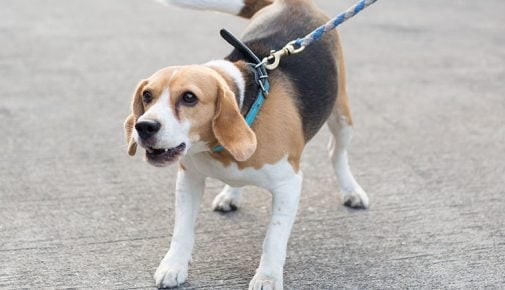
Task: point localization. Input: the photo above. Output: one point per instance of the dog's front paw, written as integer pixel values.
(169, 275)
(263, 281)
(355, 199)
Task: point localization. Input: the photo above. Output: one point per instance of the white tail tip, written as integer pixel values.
(227, 6)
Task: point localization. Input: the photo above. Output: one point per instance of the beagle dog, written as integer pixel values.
(181, 112)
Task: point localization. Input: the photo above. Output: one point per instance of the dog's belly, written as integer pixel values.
(268, 176)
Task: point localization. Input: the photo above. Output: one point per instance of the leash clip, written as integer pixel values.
(273, 60)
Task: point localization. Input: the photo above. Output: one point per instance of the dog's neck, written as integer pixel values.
(240, 78)
(251, 88)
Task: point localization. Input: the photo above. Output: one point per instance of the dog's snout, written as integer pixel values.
(147, 128)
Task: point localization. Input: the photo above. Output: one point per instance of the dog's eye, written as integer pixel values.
(189, 98)
(147, 97)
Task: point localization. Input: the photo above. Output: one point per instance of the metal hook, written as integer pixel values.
(273, 60)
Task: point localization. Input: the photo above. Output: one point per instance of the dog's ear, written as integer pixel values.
(129, 124)
(137, 108)
(230, 128)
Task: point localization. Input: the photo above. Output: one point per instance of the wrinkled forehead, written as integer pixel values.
(198, 79)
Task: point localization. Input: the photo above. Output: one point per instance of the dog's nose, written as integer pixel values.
(147, 128)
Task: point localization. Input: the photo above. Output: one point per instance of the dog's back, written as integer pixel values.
(313, 72)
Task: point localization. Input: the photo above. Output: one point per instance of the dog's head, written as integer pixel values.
(179, 108)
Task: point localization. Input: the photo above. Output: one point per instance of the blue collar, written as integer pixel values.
(260, 77)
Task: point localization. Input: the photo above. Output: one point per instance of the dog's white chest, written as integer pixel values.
(267, 176)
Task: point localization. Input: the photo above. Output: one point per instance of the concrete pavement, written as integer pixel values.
(426, 80)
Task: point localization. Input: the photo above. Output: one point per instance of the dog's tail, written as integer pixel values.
(243, 8)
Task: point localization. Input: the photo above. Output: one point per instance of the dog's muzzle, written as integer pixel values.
(164, 156)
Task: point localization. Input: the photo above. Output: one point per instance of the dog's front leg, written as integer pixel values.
(285, 197)
(173, 269)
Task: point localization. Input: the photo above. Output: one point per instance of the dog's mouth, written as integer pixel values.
(164, 156)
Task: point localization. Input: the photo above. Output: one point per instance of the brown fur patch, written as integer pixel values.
(202, 81)
(342, 104)
(128, 128)
(230, 128)
(137, 108)
(278, 130)
(253, 6)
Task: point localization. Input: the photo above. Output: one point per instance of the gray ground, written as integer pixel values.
(426, 80)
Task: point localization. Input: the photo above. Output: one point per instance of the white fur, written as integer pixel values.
(172, 132)
(227, 6)
(227, 199)
(232, 70)
(352, 193)
(197, 146)
(267, 176)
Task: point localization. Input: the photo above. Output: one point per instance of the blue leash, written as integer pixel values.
(293, 47)
(333, 23)
(272, 61)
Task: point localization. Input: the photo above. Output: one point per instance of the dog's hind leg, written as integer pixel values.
(227, 199)
(340, 124)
